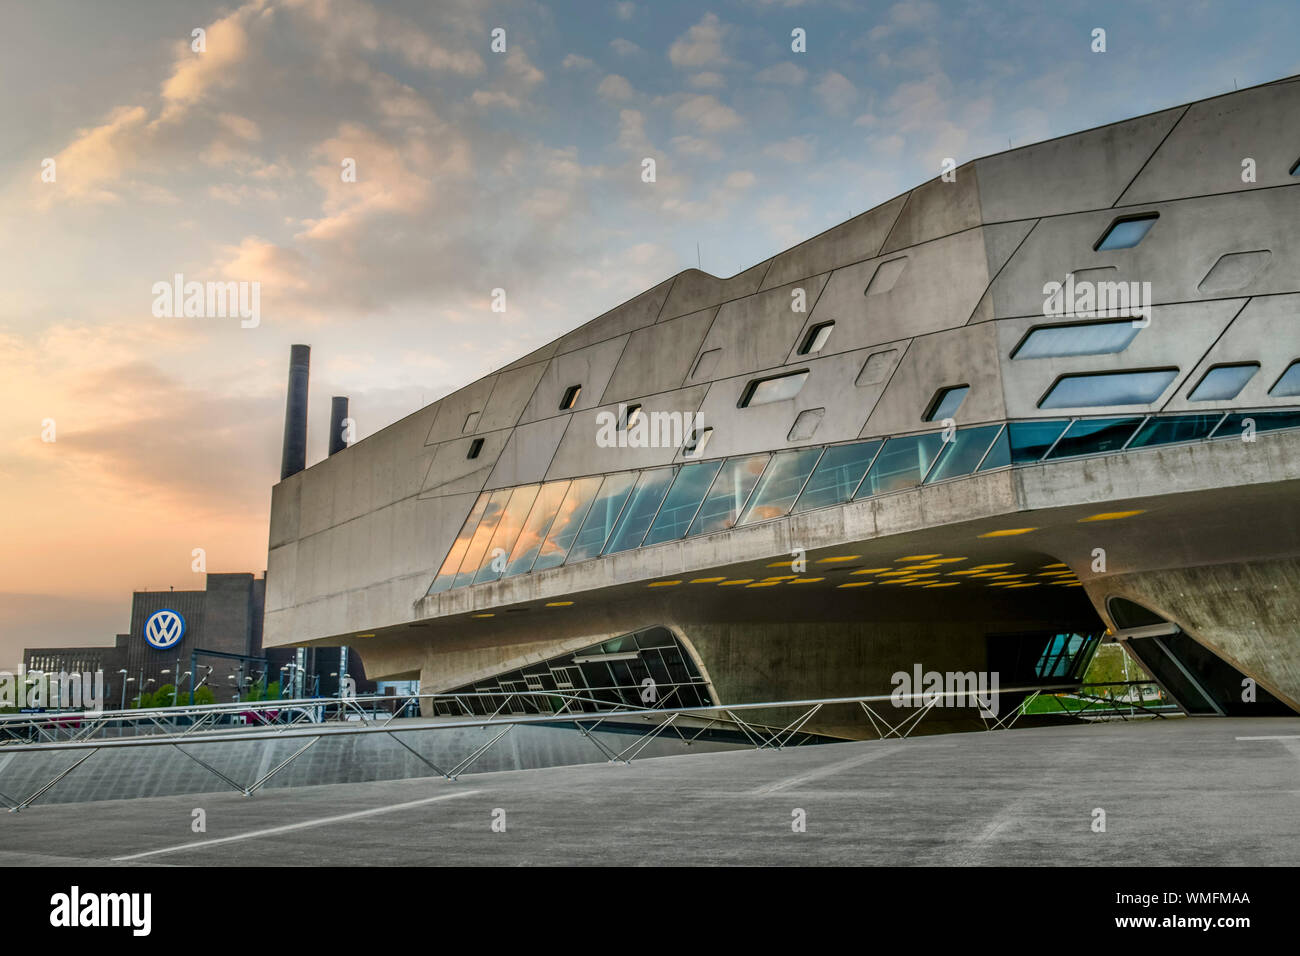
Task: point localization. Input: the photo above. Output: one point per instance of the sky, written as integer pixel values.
(128, 157)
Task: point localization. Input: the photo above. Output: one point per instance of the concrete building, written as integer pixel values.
(922, 442)
(225, 617)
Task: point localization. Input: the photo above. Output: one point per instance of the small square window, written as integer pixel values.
(475, 447)
(1126, 232)
(945, 403)
(570, 397)
(630, 414)
(816, 338)
(471, 420)
(697, 442)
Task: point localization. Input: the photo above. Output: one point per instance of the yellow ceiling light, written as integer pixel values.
(988, 574)
(806, 580)
(777, 577)
(915, 584)
(559, 603)
(894, 574)
(723, 584)
(947, 560)
(763, 584)
(483, 615)
(839, 557)
(1113, 515)
(870, 570)
(1049, 567)
(707, 580)
(943, 584)
(663, 584)
(920, 567)
(1022, 584)
(854, 584)
(986, 567)
(920, 557)
(779, 564)
(967, 572)
(1006, 532)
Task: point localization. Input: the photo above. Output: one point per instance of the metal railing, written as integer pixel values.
(758, 735)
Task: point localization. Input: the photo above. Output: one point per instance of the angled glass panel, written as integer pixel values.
(728, 494)
(494, 560)
(780, 485)
(1023, 442)
(447, 573)
(1094, 436)
(1234, 426)
(1288, 384)
(478, 544)
(961, 455)
(1082, 338)
(1109, 388)
(641, 509)
(535, 528)
(1223, 382)
(947, 402)
(564, 528)
(1176, 428)
(1127, 233)
(605, 509)
(901, 464)
(682, 502)
(837, 475)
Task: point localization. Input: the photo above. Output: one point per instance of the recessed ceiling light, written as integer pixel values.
(1006, 532)
(1113, 515)
(663, 584)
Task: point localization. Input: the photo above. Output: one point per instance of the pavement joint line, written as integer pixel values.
(302, 825)
(827, 771)
(1272, 737)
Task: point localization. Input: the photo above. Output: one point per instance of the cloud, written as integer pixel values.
(575, 62)
(707, 113)
(614, 87)
(624, 47)
(782, 74)
(837, 92)
(700, 46)
(707, 81)
(624, 10)
(796, 149)
(695, 146)
(489, 99)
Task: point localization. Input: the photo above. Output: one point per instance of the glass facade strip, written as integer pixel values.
(447, 573)
(837, 475)
(961, 455)
(641, 509)
(535, 527)
(901, 464)
(1094, 436)
(1024, 442)
(605, 509)
(482, 536)
(1223, 382)
(567, 522)
(1084, 338)
(1179, 428)
(682, 501)
(728, 495)
(494, 560)
(1108, 388)
(780, 485)
(1234, 426)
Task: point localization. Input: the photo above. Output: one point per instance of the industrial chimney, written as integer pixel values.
(294, 457)
(338, 415)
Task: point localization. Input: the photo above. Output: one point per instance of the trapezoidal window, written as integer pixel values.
(1126, 232)
(1295, 168)
(696, 442)
(629, 416)
(1289, 383)
(1223, 382)
(1076, 338)
(816, 338)
(475, 447)
(570, 397)
(945, 403)
(1108, 388)
(778, 388)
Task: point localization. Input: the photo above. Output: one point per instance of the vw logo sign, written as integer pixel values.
(164, 629)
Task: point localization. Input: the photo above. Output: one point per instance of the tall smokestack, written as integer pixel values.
(338, 415)
(294, 458)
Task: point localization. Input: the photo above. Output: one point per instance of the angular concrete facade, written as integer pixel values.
(1158, 487)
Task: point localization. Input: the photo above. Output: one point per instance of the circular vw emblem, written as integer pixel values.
(164, 629)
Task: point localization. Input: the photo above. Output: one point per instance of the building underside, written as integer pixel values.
(930, 465)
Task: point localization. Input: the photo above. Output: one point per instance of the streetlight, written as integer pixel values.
(177, 689)
(125, 680)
